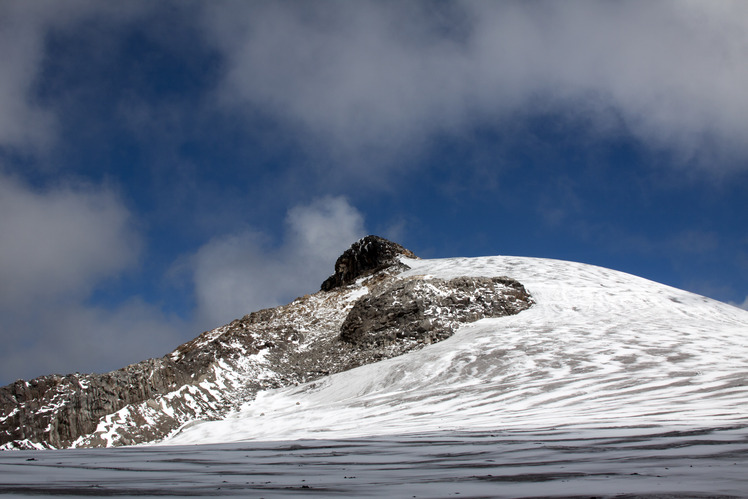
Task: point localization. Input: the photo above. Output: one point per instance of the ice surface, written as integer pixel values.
(620, 462)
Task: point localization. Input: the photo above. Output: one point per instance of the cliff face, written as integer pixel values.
(53, 411)
(365, 312)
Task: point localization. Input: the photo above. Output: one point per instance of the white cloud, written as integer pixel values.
(365, 77)
(319, 232)
(60, 243)
(24, 30)
(371, 80)
(57, 244)
(240, 273)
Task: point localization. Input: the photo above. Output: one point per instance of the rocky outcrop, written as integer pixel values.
(364, 257)
(366, 313)
(56, 410)
(428, 310)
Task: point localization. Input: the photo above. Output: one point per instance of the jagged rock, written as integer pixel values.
(328, 332)
(428, 310)
(58, 409)
(364, 257)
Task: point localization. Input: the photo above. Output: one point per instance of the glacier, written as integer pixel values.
(599, 348)
(610, 385)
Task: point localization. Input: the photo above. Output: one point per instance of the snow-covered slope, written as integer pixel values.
(599, 348)
(365, 312)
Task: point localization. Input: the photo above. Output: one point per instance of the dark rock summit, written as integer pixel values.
(364, 257)
(367, 311)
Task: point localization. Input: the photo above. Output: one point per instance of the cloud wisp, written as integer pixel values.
(242, 272)
(25, 124)
(389, 76)
(58, 245)
(743, 305)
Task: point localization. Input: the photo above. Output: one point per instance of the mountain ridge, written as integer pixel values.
(226, 367)
(599, 349)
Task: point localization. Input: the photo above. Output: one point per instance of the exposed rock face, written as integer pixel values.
(363, 258)
(428, 310)
(55, 410)
(367, 313)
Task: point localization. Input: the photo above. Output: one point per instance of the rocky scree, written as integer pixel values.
(366, 312)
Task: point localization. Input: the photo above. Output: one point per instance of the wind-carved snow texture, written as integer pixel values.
(599, 349)
(621, 463)
(222, 369)
(608, 386)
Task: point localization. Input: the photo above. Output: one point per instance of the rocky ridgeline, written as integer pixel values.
(53, 411)
(364, 313)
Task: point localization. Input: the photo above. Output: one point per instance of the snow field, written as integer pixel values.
(609, 386)
(599, 348)
(612, 462)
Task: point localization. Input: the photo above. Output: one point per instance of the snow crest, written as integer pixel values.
(600, 348)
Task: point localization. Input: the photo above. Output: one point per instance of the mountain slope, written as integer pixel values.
(599, 348)
(365, 312)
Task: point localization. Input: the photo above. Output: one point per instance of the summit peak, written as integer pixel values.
(364, 257)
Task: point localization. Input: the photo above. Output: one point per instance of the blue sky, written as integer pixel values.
(167, 167)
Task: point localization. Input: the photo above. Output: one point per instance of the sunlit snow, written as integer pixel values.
(600, 348)
(609, 385)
